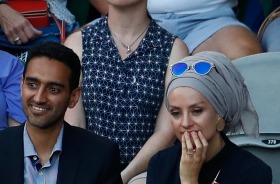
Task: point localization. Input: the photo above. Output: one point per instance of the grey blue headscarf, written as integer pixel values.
(224, 88)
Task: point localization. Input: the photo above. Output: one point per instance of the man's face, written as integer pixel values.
(46, 92)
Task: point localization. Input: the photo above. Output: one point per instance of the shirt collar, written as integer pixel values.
(29, 149)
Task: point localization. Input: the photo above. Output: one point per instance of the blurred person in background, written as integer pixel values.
(11, 112)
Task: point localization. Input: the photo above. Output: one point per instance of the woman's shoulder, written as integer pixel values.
(251, 161)
(247, 166)
(96, 25)
(156, 29)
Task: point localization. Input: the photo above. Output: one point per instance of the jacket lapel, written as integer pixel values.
(69, 158)
(15, 156)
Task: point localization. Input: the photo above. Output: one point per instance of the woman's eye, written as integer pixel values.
(197, 111)
(175, 114)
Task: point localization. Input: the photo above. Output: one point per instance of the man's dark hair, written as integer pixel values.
(60, 53)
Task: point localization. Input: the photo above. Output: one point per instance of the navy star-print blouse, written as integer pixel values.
(122, 97)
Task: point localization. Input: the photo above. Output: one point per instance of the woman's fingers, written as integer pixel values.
(194, 144)
(204, 144)
(189, 145)
(192, 156)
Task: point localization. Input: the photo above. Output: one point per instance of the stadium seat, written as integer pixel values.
(262, 77)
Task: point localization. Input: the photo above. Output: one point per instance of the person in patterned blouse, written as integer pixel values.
(125, 58)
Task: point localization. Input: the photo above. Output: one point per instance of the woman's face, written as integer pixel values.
(190, 111)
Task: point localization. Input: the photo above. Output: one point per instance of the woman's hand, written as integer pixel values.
(193, 156)
(16, 27)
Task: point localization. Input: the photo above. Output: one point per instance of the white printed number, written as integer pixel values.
(272, 141)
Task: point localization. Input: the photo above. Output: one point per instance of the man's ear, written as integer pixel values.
(74, 98)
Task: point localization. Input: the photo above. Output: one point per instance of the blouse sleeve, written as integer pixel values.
(11, 73)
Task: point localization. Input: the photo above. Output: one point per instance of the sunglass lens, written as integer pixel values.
(202, 68)
(179, 68)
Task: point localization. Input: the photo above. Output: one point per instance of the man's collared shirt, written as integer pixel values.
(34, 171)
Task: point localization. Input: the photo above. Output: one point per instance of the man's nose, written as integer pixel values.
(40, 96)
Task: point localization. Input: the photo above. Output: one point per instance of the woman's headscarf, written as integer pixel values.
(224, 88)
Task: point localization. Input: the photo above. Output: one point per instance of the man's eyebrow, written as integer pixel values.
(56, 84)
(31, 79)
(52, 83)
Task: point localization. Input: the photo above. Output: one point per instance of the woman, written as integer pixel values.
(124, 59)
(206, 99)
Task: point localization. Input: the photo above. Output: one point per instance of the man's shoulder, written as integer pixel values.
(87, 137)
(11, 131)
(10, 137)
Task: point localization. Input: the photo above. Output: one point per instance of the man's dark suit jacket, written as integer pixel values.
(86, 158)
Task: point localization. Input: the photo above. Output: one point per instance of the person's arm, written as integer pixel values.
(14, 25)
(76, 116)
(12, 122)
(163, 135)
(11, 69)
(100, 5)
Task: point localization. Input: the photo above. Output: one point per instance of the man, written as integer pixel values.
(46, 149)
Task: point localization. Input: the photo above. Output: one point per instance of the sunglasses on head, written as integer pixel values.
(200, 67)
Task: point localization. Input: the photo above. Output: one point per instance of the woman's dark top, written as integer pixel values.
(236, 166)
(122, 98)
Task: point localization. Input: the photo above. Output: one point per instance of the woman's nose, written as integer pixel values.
(187, 121)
